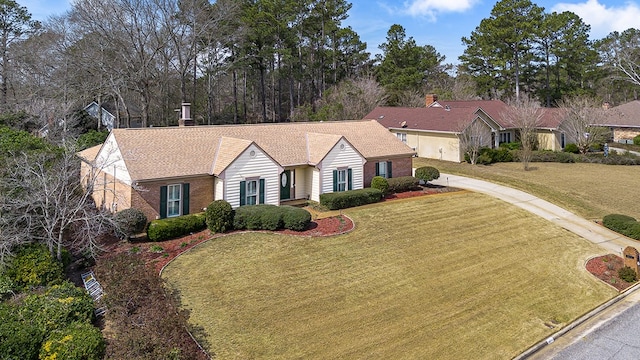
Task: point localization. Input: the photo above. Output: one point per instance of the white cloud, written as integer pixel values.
(431, 8)
(602, 18)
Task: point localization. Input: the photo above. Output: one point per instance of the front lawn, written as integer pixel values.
(450, 276)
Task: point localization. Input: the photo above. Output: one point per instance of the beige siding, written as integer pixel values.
(549, 140)
(342, 155)
(302, 185)
(247, 166)
(441, 146)
(625, 133)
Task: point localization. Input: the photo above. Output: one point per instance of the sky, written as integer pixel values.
(439, 23)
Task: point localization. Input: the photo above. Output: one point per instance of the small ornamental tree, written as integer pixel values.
(130, 221)
(219, 216)
(427, 173)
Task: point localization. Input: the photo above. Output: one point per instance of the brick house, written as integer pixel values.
(175, 171)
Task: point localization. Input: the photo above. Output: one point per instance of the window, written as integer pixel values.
(383, 169)
(342, 180)
(252, 191)
(174, 200)
(505, 137)
(402, 137)
(174, 193)
(562, 141)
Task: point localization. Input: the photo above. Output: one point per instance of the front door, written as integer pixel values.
(285, 185)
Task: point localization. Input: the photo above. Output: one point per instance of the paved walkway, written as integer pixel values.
(589, 230)
(622, 151)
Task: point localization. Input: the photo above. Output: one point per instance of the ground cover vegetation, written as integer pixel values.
(589, 190)
(401, 276)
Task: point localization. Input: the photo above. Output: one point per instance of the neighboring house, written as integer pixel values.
(179, 170)
(624, 121)
(108, 119)
(435, 131)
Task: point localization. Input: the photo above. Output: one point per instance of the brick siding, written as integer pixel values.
(147, 198)
(399, 167)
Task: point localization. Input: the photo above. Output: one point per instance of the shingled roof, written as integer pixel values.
(436, 119)
(153, 153)
(625, 115)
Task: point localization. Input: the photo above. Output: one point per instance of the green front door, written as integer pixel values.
(285, 185)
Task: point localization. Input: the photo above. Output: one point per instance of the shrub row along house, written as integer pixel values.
(174, 171)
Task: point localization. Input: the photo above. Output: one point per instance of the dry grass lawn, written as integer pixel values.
(451, 276)
(589, 190)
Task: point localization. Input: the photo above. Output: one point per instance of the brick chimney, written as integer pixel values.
(185, 115)
(430, 99)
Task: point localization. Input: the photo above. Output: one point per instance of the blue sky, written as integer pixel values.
(440, 23)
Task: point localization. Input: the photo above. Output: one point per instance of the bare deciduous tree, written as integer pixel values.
(44, 200)
(473, 137)
(582, 115)
(525, 114)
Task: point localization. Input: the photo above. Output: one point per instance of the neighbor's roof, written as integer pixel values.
(90, 154)
(427, 119)
(625, 115)
(153, 153)
(493, 108)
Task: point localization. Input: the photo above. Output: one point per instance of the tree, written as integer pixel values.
(473, 137)
(582, 115)
(525, 115)
(44, 200)
(15, 25)
(499, 49)
(621, 53)
(405, 66)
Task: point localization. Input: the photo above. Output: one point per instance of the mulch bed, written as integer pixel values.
(606, 269)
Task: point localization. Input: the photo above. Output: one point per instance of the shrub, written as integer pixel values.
(380, 183)
(33, 265)
(351, 198)
(427, 173)
(129, 222)
(484, 159)
(20, 338)
(402, 184)
(627, 274)
(571, 148)
(623, 224)
(219, 216)
(170, 228)
(511, 145)
(7, 286)
(77, 341)
(270, 218)
(294, 218)
(636, 140)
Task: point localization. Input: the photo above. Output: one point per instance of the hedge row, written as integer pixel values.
(271, 217)
(503, 154)
(402, 184)
(169, 228)
(351, 198)
(623, 224)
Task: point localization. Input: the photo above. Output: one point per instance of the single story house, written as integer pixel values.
(175, 171)
(624, 121)
(435, 131)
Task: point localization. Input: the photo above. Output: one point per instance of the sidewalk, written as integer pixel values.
(589, 230)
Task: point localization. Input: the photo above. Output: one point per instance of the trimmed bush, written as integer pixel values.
(402, 184)
(170, 228)
(294, 218)
(380, 183)
(130, 222)
(511, 145)
(33, 265)
(571, 148)
(427, 173)
(623, 224)
(219, 216)
(351, 198)
(77, 341)
(636, 140)
(627, 274)
(271, 217)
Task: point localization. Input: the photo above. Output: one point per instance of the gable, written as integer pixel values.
(111, 160)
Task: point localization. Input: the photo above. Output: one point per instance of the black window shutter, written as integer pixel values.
(261, 192)
(243, 193)
(185, 199)
(349, 180)
(163, 202)
(389, 170)
(377, 169)
(335, 180)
